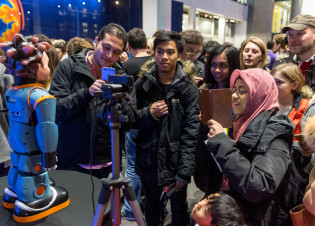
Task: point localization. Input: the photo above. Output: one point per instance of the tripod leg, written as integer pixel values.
(101, 207)
(132, 200)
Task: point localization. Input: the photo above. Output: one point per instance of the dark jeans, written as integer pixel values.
(152, 204)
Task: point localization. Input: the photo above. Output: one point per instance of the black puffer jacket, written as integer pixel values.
(166, 146)
(258, 166)
(75, 111)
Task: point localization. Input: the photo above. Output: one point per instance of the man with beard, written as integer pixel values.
(301, 39)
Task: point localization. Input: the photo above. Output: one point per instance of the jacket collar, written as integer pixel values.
(268, 124)
(184, 73)
(297, 101)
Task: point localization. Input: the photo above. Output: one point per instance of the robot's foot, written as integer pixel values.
(52, 182)
(33, 211)
(9, 198)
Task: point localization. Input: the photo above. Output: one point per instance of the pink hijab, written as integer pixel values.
(262, 96)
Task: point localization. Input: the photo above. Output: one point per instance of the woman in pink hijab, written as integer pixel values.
(256, 161)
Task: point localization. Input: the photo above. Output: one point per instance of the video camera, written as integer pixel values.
(116, 87)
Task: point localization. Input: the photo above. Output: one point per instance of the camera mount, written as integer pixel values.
(112, 185)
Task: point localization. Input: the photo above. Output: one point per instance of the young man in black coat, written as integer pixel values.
(166, 100)
(74, 85)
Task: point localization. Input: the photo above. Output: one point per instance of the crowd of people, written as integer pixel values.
(254, 173)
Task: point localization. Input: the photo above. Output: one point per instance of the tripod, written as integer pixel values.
(111, 186)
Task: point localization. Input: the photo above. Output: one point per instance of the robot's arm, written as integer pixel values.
(46, 129)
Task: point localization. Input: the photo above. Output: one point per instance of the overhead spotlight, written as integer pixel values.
(117, 2)
(83, 3)
(99, 0)
(206, 15)
(227, 21)
(69, 5)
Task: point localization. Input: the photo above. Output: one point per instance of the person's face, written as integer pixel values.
(166, 56)
(43, 69)
(220, 68)
(191, 52)
(239, 96)
(201, 213)
(301, 42)
(276, 47)
(107, 51)
(59, 53)
(252, 55)
(284, 86)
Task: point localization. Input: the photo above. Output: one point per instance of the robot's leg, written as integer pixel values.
(9, 195)
(36, 198)
(32, 211)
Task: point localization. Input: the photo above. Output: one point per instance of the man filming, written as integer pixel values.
(74, 85)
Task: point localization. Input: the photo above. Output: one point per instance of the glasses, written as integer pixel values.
(197, 54)
(240, 92)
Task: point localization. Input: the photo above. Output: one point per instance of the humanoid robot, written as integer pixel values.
(33, 134)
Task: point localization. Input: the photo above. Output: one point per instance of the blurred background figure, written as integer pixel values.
(271, 55)
(75, 44)
(280, 48)
(150, 49)
(6, 80)
(60, 46)
(192, 50)
(206, 50)
(253, 54)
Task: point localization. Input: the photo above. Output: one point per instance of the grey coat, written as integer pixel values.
(6, 81)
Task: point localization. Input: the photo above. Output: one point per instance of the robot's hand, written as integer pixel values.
(23, 56)
(49, 161)
(51, 168)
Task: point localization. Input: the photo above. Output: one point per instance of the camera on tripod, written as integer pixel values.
(114, 90)
(116, 87)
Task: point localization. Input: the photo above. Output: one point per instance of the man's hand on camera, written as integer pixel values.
(96, 86)
(159, 108)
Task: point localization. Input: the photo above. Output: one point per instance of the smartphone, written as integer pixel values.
(106, 71)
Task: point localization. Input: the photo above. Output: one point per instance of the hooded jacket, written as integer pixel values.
(76, 109)
(258, 166)
(166, 145)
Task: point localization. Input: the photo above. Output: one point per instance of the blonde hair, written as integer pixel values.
(150, 45)
(263, 48)
(293, 73)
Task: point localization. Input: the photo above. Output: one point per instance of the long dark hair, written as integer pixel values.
(232, 55)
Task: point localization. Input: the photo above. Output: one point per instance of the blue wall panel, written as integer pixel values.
(83, 18)
(177, 16)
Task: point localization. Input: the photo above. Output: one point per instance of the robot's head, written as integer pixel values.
(25, 57)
